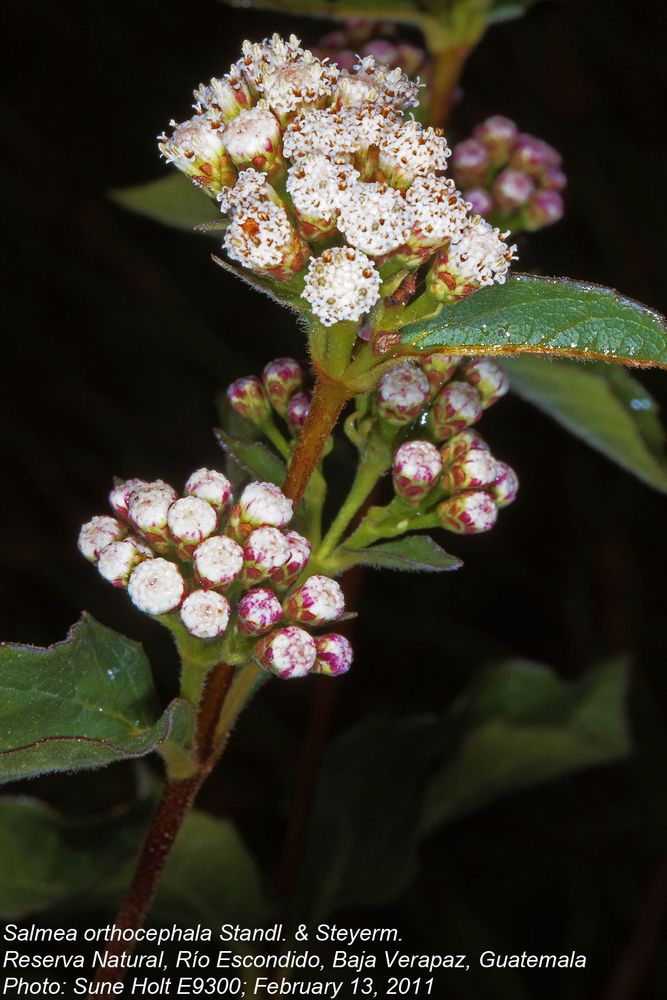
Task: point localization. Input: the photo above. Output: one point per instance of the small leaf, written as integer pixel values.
(603, 405)
(285, 293)
(363, 836)
(523, 726)
(85, 702)
(414, 553)
(551, 316)
(50, 861)
(254, 457)
(172, 199)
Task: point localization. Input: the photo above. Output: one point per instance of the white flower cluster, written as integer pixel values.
(226, 571)
(355, 170)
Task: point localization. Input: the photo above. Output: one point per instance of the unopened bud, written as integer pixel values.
(456, 407)
(97, 533)
(265, 551)
(118, 559)
(468, 513)
(211, 486)
(252, 139)
(402, 394)
(479, 258)
(282, 378)
(299, 554)
(417, 468)
(488, 378)
(499, 135)
(287, 652)
(318, 601)
(533, 155)
(511, 190)
(543, 209)
(554, 179)
(246, 395)
(480, 201)
(460, 444)
(470, 163)
(191, 520)
(258, 610)
(298, 410)
(334, 655)
(149, 508)
(205, 614)
(119, 497)
(505, 486)
(439, 369)
(156, 587)
(218, 561)
(264, 503)
(474, 469)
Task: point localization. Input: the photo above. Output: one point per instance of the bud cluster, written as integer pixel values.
(510, 177)
(281, 390)
(443, 464)
(227, 569)
(300, 151)
(379, 39)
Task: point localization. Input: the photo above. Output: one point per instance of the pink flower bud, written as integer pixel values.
(211, 486)
(480, 201)
(460, 444)
(252, 139)
(470, 163)
(402, 394)
(224, 98)
(499, 135)
(287, 652)
(119, 497)
(247, 397)
(505, 486)
(218, 561)
(149, 507)
(468, 513)
(512, 189)
(265, 551)
(299, 555)
(259, 610)
(456, 407)
(318, 601)
(417, 468)
(191, 520)
(334, 655)
(97, 533)
(554, 179)
(156, 587)
(282, 378)
(473, 469)
(118, 559)
(488, 378)
(543, 209)
(205, 614)
(533, 155)
(298, 410)
(439, 369)
(264, 503)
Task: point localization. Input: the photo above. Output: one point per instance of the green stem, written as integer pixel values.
(279, 442)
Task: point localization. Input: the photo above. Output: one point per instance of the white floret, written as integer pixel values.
(341, 285)
(411, 151)
(316, 185)
(191, 520)
(205, 614)
(438, 211)
(374, 218)
(481, 255)
(97, 533)
(218, 561)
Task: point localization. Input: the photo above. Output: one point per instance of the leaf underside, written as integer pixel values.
(254, 457)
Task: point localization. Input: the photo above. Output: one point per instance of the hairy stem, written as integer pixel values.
(329, 398)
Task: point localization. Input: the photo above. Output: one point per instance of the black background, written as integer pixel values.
(119, 333)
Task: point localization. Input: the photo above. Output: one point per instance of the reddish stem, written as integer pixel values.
(329, 398)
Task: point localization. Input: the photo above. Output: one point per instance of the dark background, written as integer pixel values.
(119, 333)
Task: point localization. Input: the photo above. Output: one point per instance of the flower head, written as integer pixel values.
(505, 486)
(205, 614)
(196, 147)
(259, 611)
(246, 395)
(318, 601)
(416, 470)
(334, 655)
(97, 534)
(469, 512)
(118, 559)
(218, 561)
(252, 138)
(456, 407)
(341, 284)
(265, 551)
(156, 586)
(148, 509)
(211, 486)
(402, 394)
(281, 379)
(287, 652)
(191, 520)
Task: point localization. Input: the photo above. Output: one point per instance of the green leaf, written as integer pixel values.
(49, 861)
(254, 457)
(523, 726)
(603, 405)
(285, 293)
(550, 316)
(172, 199)
(363, 835)
(414, 553)
(85, 702)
